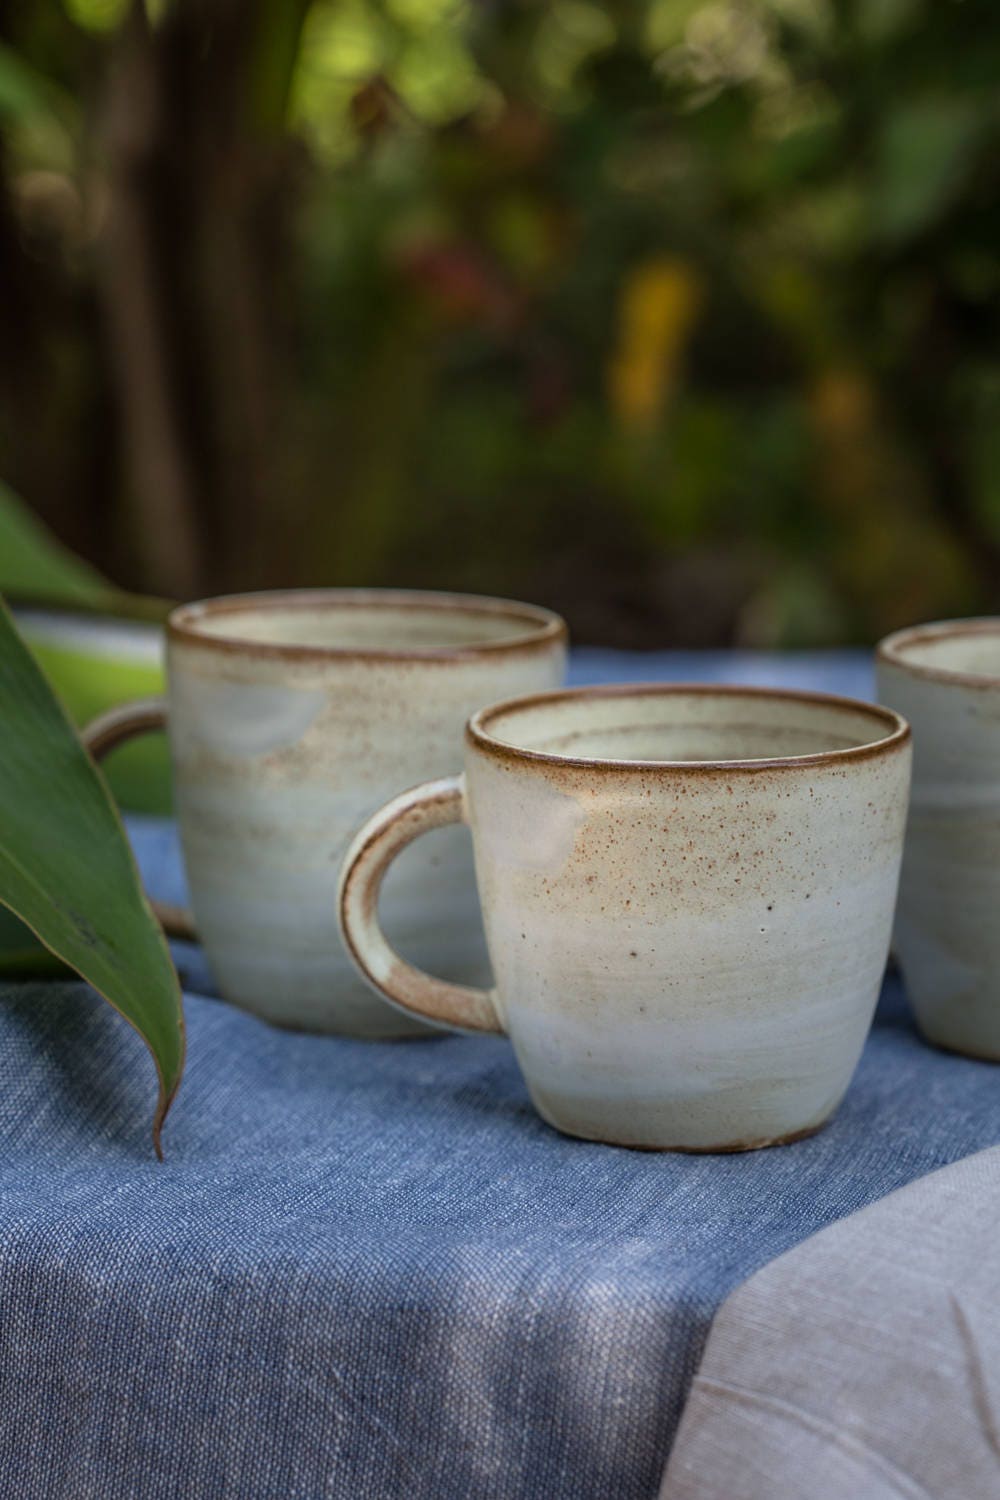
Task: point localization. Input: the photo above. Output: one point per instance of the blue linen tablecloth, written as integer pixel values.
(368, 1270)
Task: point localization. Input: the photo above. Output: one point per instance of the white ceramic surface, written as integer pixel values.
(688, 896)
(291, 717)
(945, 678)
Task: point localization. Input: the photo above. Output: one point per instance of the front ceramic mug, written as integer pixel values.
(946, 679)
(291, 716)
(688, 895)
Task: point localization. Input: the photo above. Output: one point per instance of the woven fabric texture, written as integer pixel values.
(368, 1270)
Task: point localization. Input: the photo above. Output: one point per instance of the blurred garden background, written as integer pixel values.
(681, 316)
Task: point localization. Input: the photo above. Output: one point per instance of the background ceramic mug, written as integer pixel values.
(291, 716)
(688, 895)
(945, 678)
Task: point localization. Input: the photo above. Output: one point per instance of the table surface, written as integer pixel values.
(369, 1269)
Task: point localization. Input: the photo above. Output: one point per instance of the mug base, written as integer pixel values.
(404, 1032)
(726, 1148)
(972, 1052)
(364, 1017)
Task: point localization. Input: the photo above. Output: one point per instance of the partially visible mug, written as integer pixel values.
(688, 896)
(945, 678)
(291, 716)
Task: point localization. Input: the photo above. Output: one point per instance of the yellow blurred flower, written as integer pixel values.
(659, 304)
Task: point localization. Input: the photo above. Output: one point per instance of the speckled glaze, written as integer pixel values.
(688, 896)
(945, 678)
(291, 717)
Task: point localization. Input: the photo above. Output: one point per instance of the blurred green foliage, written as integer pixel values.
(681, 316)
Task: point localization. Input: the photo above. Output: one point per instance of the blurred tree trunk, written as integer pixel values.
(195, 261)
(159, 469)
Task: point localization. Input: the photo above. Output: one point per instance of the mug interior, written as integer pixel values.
(366, 622)
(684, 725)
(950, 648)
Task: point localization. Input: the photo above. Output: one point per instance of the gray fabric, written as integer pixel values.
(864, 1364)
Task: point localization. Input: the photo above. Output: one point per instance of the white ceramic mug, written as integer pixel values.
(945, 678)
(688, 896)
(291, 716)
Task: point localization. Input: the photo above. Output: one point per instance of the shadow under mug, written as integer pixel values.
(688, 895)
(291, 716)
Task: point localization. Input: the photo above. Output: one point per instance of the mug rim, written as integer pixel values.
(477, 732)
(540, 626)
(891, 649)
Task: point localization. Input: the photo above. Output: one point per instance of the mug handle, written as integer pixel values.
(104, 734)
(372, 851)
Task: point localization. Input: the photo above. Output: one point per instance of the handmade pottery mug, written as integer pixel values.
(945, 678)
(688, 895)
(290, 717)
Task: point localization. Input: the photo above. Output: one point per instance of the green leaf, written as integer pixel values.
(33, 565)
(95, 662)
(67, 870)
(21, 954)
(35, 568)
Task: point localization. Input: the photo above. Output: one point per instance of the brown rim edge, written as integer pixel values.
(890, 650)
(477, 734)
(540, 626)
